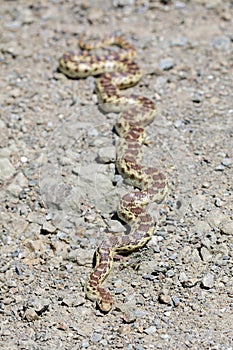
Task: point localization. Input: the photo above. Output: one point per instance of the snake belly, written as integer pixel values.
(117, 71)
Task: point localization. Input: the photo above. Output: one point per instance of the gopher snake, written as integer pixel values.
(118, 71)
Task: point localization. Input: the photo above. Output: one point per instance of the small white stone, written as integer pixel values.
(24, 159)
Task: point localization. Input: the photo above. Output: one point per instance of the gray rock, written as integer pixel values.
(96, 337)
(218, 203)
(180, 41)
(202, 227)
(74, 300)
(221, 43)
(205, 254)
(159, 84)
(85, 344)
(14, 189)
(205, 184)
(173, 256)
(179, 5)
(117, 178)
(208, 281)
(122, 3)
(7, 170)
(198, 202)
(216, 217)
(170, 273)
(176, 300)
(226, 227)
(166, 64)
(115, 226)
(183, 277)
(2, 124)
(81, 256)
(197, 97)
(227, 162)
(150, 330)
(178, 123)
(107, 155)
(48, 227)
(220, 167)
(93, 132)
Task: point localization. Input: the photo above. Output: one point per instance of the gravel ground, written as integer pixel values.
(59, 191)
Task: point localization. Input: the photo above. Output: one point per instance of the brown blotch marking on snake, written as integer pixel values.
(144, 227)
(125, 240)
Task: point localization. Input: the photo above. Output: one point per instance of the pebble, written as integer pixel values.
(170, 273)
(216, 217)
(124, 329)
(190, 282)
(205, 254)
(95, 182)
(107, 155)
(183, 277)
(7, 170)
(115, 226)
(73, 300)
(202, 227)
(208, 281)
(221, 43)
(122, 3)
(178, 123)
(93, 132)
(218, 203)
(220, 167)
(179, 5)
(150, 330)
(24, 159)
(227, 162)
(198, 202)
(48, 228)
(14, 189)
(180, 41)
(81, 256)
(176, 300)
(96, 337)
(159, 84)
(166, 64)
(173, 256)
(164, 297)
(197, 97)
(117, 179)
(85, 344)
(226, 227)
(206, 184)
(31, 315)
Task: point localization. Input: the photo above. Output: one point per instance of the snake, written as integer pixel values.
(115, 71)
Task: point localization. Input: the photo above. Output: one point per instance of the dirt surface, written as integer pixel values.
(59, 191)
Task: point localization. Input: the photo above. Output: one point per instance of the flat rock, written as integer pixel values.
(216, 217)
(226, 227)
(205, 254)
(107, 155)
(7, 170)
(198, 202)
(166, 64)
(208, 281)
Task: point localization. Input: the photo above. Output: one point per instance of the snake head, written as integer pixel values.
(105, 300)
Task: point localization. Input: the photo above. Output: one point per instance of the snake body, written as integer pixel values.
(118, 71)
